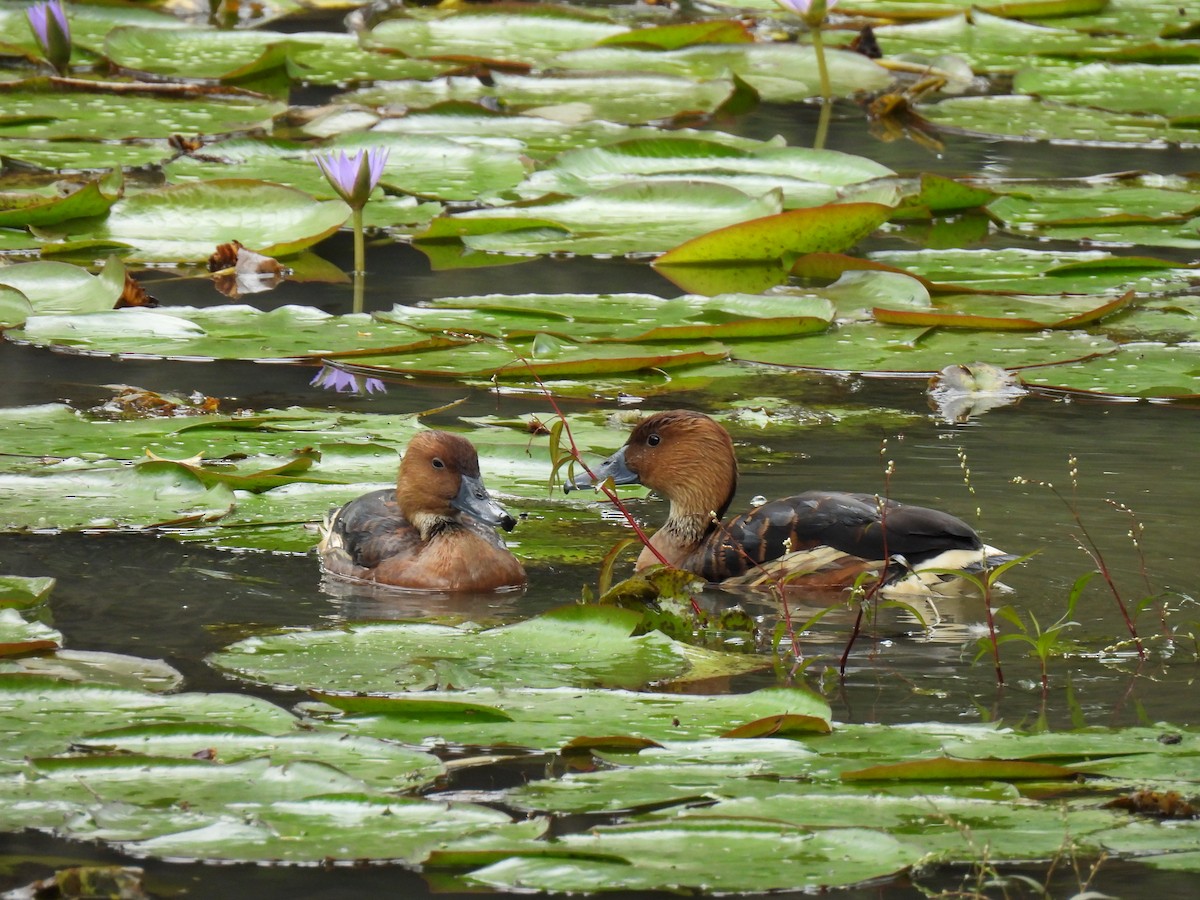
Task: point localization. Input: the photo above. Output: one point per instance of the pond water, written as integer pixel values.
(154, 597)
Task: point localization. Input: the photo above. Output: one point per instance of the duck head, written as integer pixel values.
(683, 455)
(439, 482)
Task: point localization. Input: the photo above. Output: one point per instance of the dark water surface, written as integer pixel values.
(154, 597)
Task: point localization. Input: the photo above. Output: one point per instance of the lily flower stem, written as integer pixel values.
(360, 253)
(818, 41)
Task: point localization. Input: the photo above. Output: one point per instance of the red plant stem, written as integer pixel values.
(608, 492)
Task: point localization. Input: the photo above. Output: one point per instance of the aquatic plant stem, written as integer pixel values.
(818, 42)
(360, 252)
(604, 488)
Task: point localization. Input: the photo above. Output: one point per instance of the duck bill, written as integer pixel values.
(474, 500)
(615, 467)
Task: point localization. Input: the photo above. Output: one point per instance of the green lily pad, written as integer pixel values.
(187, 222)
(571, 98)
(39, 208)
(1169, 91)
(320, 828)
(806, 176)
(1048, 272)
(779, 72)
(380, 764)
(101, 116)
(54, 288)
(713, 854)
(94, 667)
(426, 166)
(583, 646)
(834, 227)
(1144, 370)
(39, 716)
(339, 59)
(620, 317)
(665, 215)
(20, 638)
(538, 36)
(230, 332)
(84, 155)
(20, 592)
(1028, 119)
(550, 718)
(473, 124)
(863, 347)
(203, 53)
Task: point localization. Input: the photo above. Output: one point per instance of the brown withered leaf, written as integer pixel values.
(225, 256)
(133, 294)
(1157, 805)
(130, 402)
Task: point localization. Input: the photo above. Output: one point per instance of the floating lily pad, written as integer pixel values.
(665, 215)
(577, 98)
(46, 208)
(1028, 119)
(344, 827)
(779, 72)
(54, 288)
(106, 116)
(807, 177)
(378, 763)
(584, 646)
(535, 37)
(550, 718)
(713, 854)
(203, 53)
(1169, 91)
(20, 592)
(427, 166)
(1145, 370)
(39, 716)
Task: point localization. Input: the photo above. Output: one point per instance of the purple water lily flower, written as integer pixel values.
(354, 175)
(48, 22)
(334, 379)
(811, 11)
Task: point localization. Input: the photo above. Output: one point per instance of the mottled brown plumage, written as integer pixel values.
(434, 531)
(828, 538)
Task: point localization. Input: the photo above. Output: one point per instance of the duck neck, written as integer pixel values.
(431, 525)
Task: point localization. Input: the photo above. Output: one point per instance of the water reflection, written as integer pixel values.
(362, 601)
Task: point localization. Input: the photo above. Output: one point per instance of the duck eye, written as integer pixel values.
(653, 440)
(438, 464)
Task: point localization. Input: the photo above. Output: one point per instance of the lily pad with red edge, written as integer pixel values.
(831, 228)
(935, 319)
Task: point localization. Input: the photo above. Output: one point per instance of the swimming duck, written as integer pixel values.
(817, 539)
(435, 531)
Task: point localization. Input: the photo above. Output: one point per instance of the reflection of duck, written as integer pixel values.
(818, 539)
(435, 531)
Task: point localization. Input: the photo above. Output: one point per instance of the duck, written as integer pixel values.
(435, 531)
(818, 540)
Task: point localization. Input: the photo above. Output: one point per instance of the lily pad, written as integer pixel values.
(538, 36)
(584, 646)
(187, 222)
(570, 98)
(551, 718)
(111, 116)
(40, 716)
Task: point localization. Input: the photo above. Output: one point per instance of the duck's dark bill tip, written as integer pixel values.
(507, 522)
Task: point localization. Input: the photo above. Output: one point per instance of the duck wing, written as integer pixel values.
(367, 531)
(850, 523)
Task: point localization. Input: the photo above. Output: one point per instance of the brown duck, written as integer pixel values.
(435, 531)
(817, 539)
